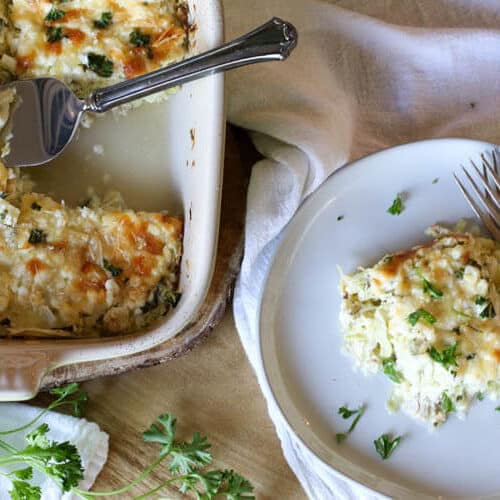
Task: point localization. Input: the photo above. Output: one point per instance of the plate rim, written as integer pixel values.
(371, 482)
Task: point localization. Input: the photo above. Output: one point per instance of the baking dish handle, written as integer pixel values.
(21, 374)
(273, 41)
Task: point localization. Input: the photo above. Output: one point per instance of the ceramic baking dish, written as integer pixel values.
(160, 156)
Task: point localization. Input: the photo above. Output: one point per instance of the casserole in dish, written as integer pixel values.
(162, 156)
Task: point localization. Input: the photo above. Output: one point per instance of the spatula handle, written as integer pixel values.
(273, 41)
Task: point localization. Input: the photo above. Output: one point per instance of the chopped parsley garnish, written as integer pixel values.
(54, 34)
(431, 290)
(100, 65)
(340, 217)
(390, 370)
(114, 270)
(55, 14)
(139, 39)
(105, 20)
(459, 273)
(436, 180)
(480, 396)
(488, 311)
(37, 236)
(385, 445)
(446, 403)
(346, 413)
(447, 357)
(497, 408)
(421, 314)
(397, 205)
(428, 287)
(162, 295)
(35, 206)
(480, 300)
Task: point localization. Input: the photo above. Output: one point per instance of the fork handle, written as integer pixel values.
(273, 41)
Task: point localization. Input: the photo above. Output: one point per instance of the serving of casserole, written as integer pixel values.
(96, 272)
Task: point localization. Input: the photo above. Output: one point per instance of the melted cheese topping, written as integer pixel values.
(430, 319)
(82, 271)
(60, 39)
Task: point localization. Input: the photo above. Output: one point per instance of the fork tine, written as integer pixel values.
(492, 170)
(487, 220)
(490, 208)
(486, 185)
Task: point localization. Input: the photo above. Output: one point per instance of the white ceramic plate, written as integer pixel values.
(301, 338)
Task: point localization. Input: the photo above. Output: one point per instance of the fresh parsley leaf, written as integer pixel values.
(480, 396)
(385, 445)
(63, 394)
(37, 236)
(54, 34)
(55, 14)
(341, 436)
(114, 270)
(38, 438)
(421, 314)
(235, 487)
(104, 21)
(390, 370)
(431, 290)
(188, 456)
(447, 357)
(163, 433)
(24, 474)
(64, 391)
(346, 413)
(497, 408)
(446, 403)
(204, 485)
(35, 206)
(397, 206)
(340, 217)
(436, 180)
(22, 490)
(100, 64)
(139, 39)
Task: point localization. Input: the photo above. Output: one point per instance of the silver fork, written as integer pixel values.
(485, 197)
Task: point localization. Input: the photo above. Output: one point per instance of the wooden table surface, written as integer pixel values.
(212, 390)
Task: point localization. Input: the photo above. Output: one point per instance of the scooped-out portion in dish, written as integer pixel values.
(429, 319)
(91, 43)
(95, 270)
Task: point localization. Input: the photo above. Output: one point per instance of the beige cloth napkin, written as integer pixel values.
(367, 74)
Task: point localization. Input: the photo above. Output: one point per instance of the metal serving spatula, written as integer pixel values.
(47, 113)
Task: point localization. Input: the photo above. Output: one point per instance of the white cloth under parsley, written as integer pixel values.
(367, 74)
(91, 442)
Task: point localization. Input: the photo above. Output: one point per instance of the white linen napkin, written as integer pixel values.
(366, 74)
(91, 442)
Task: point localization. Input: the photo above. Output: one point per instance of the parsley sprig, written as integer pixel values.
(60, 461)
